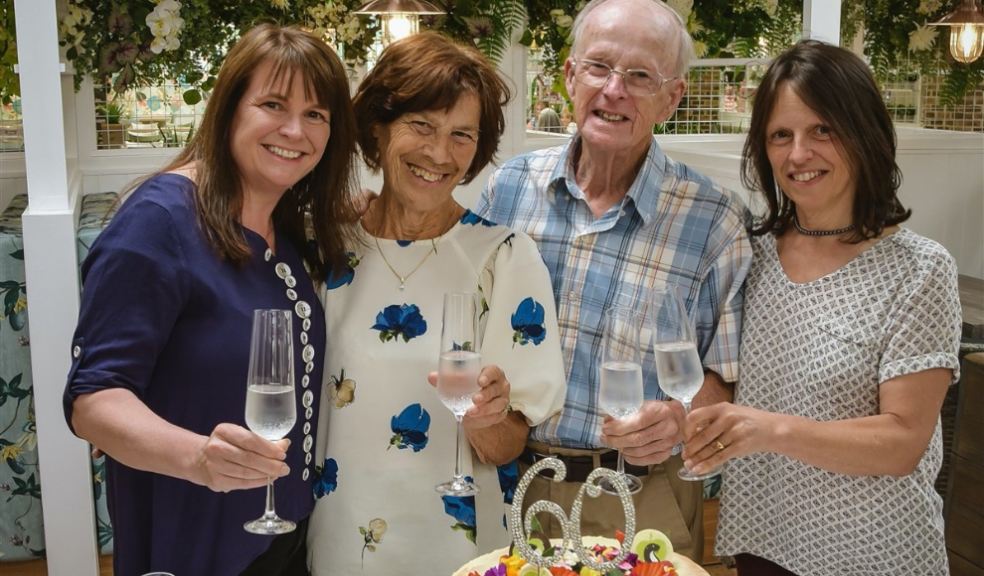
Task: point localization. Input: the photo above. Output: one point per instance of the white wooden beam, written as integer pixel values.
(821, 20)
(52, 274)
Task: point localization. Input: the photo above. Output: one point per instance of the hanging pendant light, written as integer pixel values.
(399, 18)
(966, 25)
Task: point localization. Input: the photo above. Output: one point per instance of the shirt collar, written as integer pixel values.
(644, 192)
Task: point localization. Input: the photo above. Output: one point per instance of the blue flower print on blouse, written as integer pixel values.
(325, 478)
(404, 243)
(410, 428)
(470, 217)
(339, 278)
(462, 509)
(527, 323)
(508, 480)
(400, 321)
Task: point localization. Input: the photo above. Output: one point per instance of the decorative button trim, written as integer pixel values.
(303, 311)
(283, 270)
(76, 351)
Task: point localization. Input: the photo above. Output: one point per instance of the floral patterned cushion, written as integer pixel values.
(21, 523)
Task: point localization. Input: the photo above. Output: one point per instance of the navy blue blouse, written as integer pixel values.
(163, 316)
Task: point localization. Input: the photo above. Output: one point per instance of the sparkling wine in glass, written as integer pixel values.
(678, 366)
(620, 393)
(457, 375)
(270, 406)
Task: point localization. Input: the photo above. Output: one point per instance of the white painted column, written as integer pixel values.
(821, 20)
(52, 274)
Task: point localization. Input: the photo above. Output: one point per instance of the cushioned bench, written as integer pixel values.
(21, 523)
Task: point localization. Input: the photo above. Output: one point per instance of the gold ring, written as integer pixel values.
(718, 445)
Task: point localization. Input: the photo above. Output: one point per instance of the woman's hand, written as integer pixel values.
(717, 433)
(490, 403)
(234, 458)
(496, 434)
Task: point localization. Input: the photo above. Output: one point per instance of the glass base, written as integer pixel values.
(265, 525)
(457, 488)
(631, 482)
(685, 474)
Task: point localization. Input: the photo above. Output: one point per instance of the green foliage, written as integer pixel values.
(489, 24)
(9, 83)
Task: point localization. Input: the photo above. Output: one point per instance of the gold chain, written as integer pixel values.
(401, 278)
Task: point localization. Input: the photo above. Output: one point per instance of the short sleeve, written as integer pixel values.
(521, 334)
(719, 307)
(925, 331)
(133, 291)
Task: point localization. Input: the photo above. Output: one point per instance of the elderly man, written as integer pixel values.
(613, 216)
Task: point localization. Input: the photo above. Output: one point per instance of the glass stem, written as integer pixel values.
(620, 468)
(270, 513)
(457, 455)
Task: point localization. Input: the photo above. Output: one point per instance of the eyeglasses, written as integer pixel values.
(638, 82)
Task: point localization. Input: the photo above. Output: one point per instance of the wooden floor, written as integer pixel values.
(711, 564)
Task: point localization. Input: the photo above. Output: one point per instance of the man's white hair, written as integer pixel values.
(685, 44)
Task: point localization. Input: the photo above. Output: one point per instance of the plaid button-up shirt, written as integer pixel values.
(673, 226)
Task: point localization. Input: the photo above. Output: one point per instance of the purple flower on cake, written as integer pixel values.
(499, 570)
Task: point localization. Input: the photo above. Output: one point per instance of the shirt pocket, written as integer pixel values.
(844, 369)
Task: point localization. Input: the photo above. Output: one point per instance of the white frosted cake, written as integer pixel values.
(660, 555)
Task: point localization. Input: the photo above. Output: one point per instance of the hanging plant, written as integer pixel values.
(9, 84)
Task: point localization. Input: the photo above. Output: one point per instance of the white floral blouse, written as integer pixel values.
(385, 440)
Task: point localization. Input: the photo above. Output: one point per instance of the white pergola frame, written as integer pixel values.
(54, 182)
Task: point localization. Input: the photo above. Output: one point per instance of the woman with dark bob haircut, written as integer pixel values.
(161, 351)
(849, 342)
(430, 118)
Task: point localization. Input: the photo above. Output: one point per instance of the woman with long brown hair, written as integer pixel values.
(158, 379)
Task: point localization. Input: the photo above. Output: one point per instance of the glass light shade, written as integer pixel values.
(399, 18)
(966, 25)
(397, 26)
(966, 42)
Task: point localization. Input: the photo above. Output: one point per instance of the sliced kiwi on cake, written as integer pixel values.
(533, 570)
(652, 546)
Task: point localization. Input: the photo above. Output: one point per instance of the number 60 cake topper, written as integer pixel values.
(571, 527)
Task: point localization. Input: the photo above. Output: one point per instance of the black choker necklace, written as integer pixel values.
(808, 232)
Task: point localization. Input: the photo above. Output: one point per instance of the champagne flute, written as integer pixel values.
(620, 393)
(457, 375)
(678, 366)
(270, 407)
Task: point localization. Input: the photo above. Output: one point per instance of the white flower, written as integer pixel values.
(282, 4)
(922, 38)
(564, 21)
(168, 6)
(556, 13)
(157, 45)
(929, 6)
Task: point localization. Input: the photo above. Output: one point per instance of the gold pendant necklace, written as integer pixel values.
(403, 279)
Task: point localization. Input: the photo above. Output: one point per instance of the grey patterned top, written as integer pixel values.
(820, 350)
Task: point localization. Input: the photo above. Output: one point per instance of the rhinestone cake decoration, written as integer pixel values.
(520, 527)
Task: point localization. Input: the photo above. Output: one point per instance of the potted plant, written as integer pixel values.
(109, 124)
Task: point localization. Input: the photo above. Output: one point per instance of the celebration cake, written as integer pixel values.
(652, 555)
